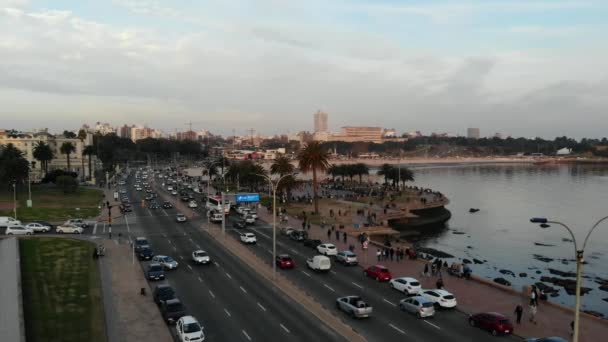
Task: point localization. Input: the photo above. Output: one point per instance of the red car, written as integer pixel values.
(285, 261)
(494, 322)
(378, 272)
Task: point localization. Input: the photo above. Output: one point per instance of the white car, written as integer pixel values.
(407, 285)
(192, 204)
(174, 192)
(77, 222)
(166, 261)
(249, 219)
(200, 257)
(240, 210)
(180, 217)
(189, 330)
(327, 249)
(69, 228)
(319, 263)
(248, 238)
(38, 227)
(18, 230)
(441, 298)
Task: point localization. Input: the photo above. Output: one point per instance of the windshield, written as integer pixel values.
(427, 305)
(449, 297)
(174, 307)
(169, 259)
(383, 270)
(200, 254)
(156, 268)
(504, 321)
(192, 328)
(415, 283)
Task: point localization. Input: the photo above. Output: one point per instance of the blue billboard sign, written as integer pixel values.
(247, 198)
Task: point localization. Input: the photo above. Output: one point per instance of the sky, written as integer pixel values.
(522, 68)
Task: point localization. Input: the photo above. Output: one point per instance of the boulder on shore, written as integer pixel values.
(523, 274)
(507, 272)
(434, 252)
(502, 281)
(568, 284)
(477, 261)
(562, 273)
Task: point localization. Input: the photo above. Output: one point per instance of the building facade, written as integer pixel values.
(359, 133)
(473, 133)
(320, 122)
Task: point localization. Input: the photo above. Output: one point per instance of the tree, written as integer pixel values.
(67, 183)
(385, 170)
(313, 158)
(69, 135)
(361, 169)
(67, 148)
(246, 173)
(89, 150)
(43, 153)
(13, 166)
(283, 167)
(82, 134)
(333, 171)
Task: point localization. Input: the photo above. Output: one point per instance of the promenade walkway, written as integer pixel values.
(474, 295)
(11, 315)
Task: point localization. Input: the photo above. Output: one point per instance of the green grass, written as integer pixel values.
(61, 291)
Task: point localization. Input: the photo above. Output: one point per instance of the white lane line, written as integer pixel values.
(332, 290)
(391, 303)
(197, 246)
(95, 228)
(127, 222)
(357, 285)
(333, 272)
(164, 235)
(227, 313)
(261, 306)
(293, 250)
(199, 279)
(211, 293)
(216, 264)
(150, 212)
(189, 267)
(169, 241)
(394, 327)
(104, 228)
(175, 248)
(431, 324)
(307, 274)
(269, 251)
(165, 212)
(181, 257)
(284, 328)
(246, 335)
(243, 289)
(191, 240)
(228, 275)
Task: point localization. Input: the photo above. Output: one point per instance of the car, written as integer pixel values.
(167, 205)
(546, 339)
(166, 261)
(163, 292)
(155, 272)
(192, 204)
(44, 223)
(441, 298)
(170, 188)
(312, 243)
(6, 221)
(184, 198)
(145, 253)
(153, 205)
(240, 210)
(285, 261)
(174, 193)
(149, 197)
(319, 263)
(18, 229)
(38, 227)
(347, 258)
(141, 242)
(494, 322)
(418, 305)
(239, 223)
(69, 228)
(354, 306)
(189, 330)
(180, 218)
(248, 238)
(298, 235)
(378, 272)
(327, 249)
(407, 285)
(249, 219)
(201, 257)
(172, 310)
(287, 231)
(77, 222)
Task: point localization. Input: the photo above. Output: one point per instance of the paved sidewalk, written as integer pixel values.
(472, 295)
(11, 313)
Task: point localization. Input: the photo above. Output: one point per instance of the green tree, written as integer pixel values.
(13, 165)
(283, 167)
(88, 151)
(313, 158)
(69, 134)
(43, 153)
(385, 170)
(67, 148)
(333, 171)
(360, 170)
(66, 183)
(246, 173)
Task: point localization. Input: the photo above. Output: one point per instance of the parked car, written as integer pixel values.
(167, 205)
(189, 330)
(418, 305)
(141, 242)
(18, 230)
(239, 223)
(319, 263)
(298, 235)
(172, 310)
(201, 257)
(38, 227)
(44, 223)
(378, 272)
(180, 217)
(347, 258)
(248, 238)
(287, 231)
(6, 221)
(77, 222)
(69, 229)
(494, 322)
(166, 261)
(163, 292)
(249, 219)
(285, 261)
(153, 205)
(408, 286)
(441, 298)
(174, 193)
(155, 272)
(192, 204)
(145, 253)
(216, 216)
(312, 243)
(327, 249)
(354, 306)
(546, 339)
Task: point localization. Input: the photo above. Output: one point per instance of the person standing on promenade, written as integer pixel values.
(533, 304)
(378, 254)
(344, 235)
(439, 283)
(519, 310)
(426, 270)
(329, 234)
(433, 269)
(337, 235)
(308, 225)
(391, 253)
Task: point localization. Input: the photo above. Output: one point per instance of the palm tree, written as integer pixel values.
(43, 153)
(67, 148)
(282, 166)
(82, 134)
(385, 170)
(313, 158)
(89, 150)
(333, 171)
(361, 169)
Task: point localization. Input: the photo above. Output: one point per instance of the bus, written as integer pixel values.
(214, 203)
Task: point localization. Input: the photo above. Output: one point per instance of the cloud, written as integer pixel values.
(545, 31)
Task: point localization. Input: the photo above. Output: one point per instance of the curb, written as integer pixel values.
(20, 294)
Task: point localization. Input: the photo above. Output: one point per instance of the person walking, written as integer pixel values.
(378, 254)
(433, 269)
(308, 225)
(519, 310)
(533, 304)
(391, 253)
(426, 270)
(344, 237)
(439, 283)
(329, 234)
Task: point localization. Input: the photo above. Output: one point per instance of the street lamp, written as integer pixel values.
(15, 198)
(579, 263)
(274, 187)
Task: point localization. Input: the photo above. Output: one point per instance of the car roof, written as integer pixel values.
(380, 266)
(140, 238)
(199, 251)
(188, 319)
(163, 286)
(173, 301)
(408, 279)
(495, 314)
(154, 264)
(420, 299)
(440, 292)
(284, 256)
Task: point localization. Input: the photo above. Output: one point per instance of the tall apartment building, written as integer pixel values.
(138, 133)
(359, 133)
(320, 121)
(125, 131)
(473, 133)
(187, 135)
(104, 128)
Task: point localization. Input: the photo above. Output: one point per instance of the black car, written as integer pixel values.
(155, 272)
(44, 223)
(240, 223)
(298, 235)
(312, 243)
(172, 310)
(167, 205)
(185, 198)
(145, 253)
(163, 293)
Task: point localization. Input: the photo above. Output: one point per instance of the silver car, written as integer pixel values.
(418, 305)
(346, 257)
(166, 261)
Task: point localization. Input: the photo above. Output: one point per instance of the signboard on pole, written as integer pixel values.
(247, 198)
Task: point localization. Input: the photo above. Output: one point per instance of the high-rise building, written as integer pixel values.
(473, 133)
(359, 133)
(125, 132)
(320, 121)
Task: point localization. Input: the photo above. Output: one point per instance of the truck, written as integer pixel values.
(6, 221)
(354, 306)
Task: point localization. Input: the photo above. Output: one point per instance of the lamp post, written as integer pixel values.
(274, 187)
(15, 198)
(579, 263)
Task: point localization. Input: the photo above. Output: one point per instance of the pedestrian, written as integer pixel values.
(308, 225)
(329, 235)
(439, 283)
(392, 253)
(398, 254)
(571, 328)
(303, 224)
(407, 252)
(344, 237)
(433, 269)
(426, 270)
(337, 235)
(378, 254)
(519, 310)
(533, 304)
(439, 263)
(533, 309)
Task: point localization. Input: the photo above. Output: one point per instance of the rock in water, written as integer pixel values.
(562, 273)
(502, 281)
(477, 261)
(507, 272)
(523, 274)
(543, 244)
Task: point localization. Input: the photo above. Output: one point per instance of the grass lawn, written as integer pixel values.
(61, 290)
(51, 204)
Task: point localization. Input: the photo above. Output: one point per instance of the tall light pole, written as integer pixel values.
(274, 187)
(15, 198)
(579, 264)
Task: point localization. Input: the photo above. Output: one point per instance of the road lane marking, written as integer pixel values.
(191, 240)
(332, 290)
(175, 248)
(308, 275)
(211, 293)
(104, 228)
(269, 251)
(227, 313)
(431, 324)
(197, 246)
(394, 327)
(243, 289)
(246, 335)
(169, 241)
(357, 285)
(333, 272)
(181, 257)
(189, 267)
(284, 328)
(228, 275)
(127, 222)
(150, 212)
(95, 228)
(199, 279)
(391, 303)
(165, 212)
(216, 264)
(164, 235)
(261, 306)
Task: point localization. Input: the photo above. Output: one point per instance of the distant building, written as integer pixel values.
(138, 133)
(104, 128)
(320, 121)
(321, 136)
(564, 151)
(473, 133)
(187, 135)
(389, 133)
(359, 133)
(125, 131)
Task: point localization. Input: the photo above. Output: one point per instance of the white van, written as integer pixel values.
(319, 263)
(6, 221)
(215, 216)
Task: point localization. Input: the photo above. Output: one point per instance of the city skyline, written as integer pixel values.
(417, 65)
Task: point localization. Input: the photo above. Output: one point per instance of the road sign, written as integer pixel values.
(247, 198)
